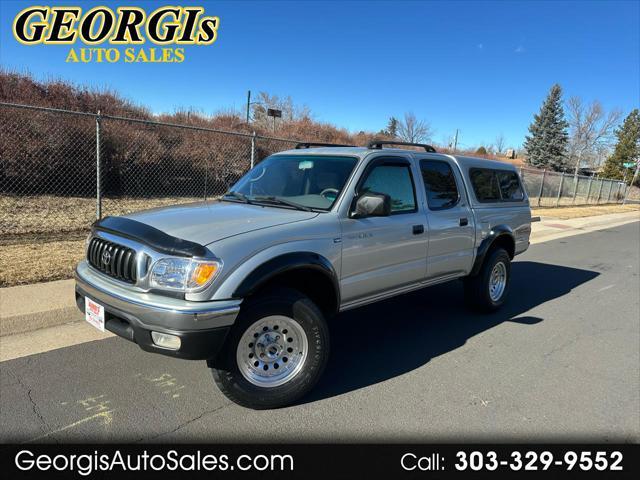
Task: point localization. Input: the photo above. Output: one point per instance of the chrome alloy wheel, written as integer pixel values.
(272, 351)
(497, 281)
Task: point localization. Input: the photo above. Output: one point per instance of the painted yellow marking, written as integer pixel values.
(99, 403)
(106, 416)
(162, 378)
(168, 383)
(173, 392)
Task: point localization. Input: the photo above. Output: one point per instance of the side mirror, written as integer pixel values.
(372, 205)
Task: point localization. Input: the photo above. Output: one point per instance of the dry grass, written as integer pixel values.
(39, 262)
(29, 253)
(565, 213)
(47, 213)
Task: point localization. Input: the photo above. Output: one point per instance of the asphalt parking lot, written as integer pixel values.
(560, 362)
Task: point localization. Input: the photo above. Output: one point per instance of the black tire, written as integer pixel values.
(283, 302)
(477, 287)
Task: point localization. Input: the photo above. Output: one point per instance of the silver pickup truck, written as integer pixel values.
(247, 282)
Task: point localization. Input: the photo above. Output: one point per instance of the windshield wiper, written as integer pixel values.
(240, 196)
(282, 201)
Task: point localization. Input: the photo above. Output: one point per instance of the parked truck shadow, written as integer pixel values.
(383, 340)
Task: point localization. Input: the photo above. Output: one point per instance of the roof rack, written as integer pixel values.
(377, 145)
(314, 144)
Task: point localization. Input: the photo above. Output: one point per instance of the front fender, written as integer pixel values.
(241, 263)
(286, 263)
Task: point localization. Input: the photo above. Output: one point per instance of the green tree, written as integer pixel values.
(546, 145)
(392, 127)
(391, 130)
(481, 151)
(627, 148)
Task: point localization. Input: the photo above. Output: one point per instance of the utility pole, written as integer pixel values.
(248, 104)
(455, 142)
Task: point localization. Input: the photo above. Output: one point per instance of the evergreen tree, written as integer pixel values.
(546, 146)
(627, 148)
(392, 128)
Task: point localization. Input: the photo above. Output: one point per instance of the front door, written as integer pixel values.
(384, 253)
(450, 220)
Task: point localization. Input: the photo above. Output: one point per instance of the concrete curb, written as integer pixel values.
(30, 307)
(30, 322)
(26, 308)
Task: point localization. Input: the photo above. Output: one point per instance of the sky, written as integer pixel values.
(481, 67)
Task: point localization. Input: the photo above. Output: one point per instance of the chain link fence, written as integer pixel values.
(553, 189)
(59, 169)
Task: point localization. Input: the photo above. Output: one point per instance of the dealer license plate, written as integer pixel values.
(94, 313)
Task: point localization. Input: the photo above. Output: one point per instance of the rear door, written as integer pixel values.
(449, 218)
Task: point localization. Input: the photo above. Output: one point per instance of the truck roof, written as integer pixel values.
(362, 152)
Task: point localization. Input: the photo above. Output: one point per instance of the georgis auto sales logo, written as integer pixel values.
(165, 26)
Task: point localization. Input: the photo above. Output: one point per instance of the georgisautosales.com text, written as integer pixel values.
(87, 464)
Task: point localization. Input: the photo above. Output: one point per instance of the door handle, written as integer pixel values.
(418, 229)
(464, 222)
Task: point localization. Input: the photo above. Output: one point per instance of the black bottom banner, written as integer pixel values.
(321, 461)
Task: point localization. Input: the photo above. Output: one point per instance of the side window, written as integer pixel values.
(510, 186)
(440, 184)
(395, 181)
(485, 185)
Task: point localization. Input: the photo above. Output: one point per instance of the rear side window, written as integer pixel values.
(496, 185)
(510, 186)
(485, 185)
(440, 184)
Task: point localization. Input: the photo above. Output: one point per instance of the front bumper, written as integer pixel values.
(201, 326)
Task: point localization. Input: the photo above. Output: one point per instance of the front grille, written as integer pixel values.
(112, 259)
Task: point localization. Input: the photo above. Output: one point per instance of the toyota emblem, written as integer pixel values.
(106, 257)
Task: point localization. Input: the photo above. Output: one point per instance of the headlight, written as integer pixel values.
(183, 274)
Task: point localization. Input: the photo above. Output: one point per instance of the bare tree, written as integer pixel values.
(412, 130)
(290, 111)
(499, 143)
(590, 131)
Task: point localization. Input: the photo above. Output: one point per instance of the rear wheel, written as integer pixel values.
(275, 352)
(487, 290)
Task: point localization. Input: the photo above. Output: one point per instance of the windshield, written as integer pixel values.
(308, 181)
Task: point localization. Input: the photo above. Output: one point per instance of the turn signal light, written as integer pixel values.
(203, 273)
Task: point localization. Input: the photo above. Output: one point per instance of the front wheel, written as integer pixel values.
(487, 290)
(275, 352)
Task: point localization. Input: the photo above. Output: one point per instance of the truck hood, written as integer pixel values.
(208, 222)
